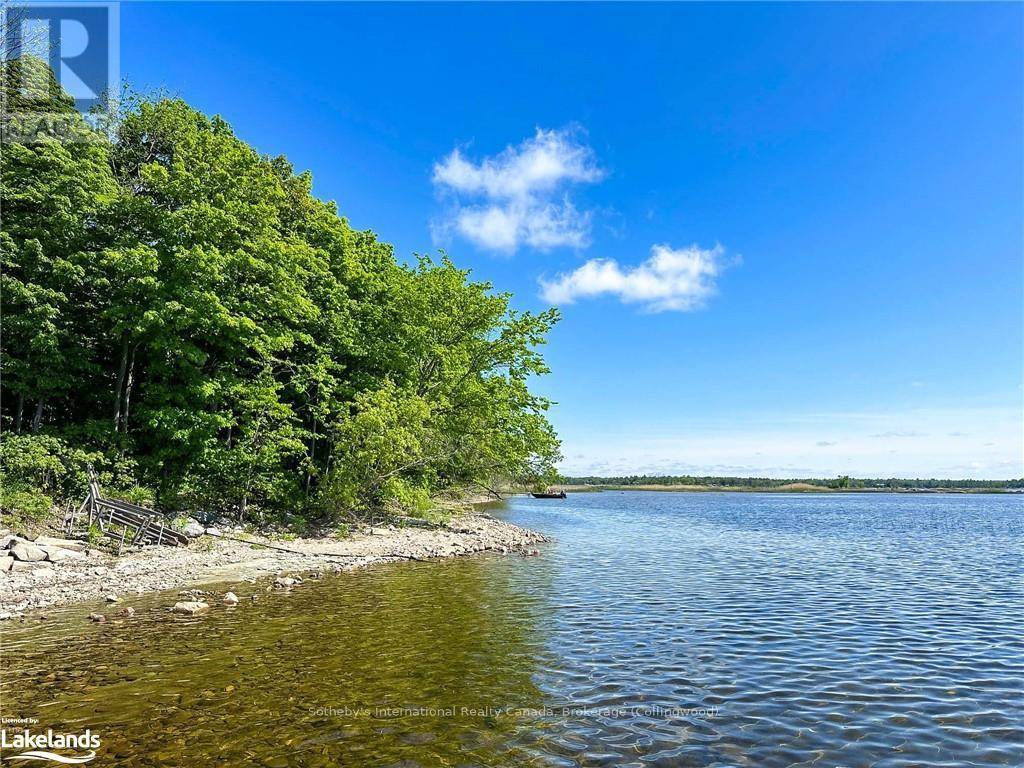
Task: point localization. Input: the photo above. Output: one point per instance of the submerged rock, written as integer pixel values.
(286, 581)
(231, 598)
(191, 607)
(99, 618)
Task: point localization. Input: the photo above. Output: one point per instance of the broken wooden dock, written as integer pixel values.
(128, 523)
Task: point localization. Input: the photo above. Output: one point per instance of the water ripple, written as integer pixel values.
(657, 630)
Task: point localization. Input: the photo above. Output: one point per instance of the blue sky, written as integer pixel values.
(786, 239)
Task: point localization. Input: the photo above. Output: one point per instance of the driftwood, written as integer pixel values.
(395, 556)
(258, 543)
(148, 527)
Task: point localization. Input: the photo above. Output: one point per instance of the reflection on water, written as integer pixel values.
(658, 629)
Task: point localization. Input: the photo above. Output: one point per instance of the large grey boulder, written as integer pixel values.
(194, 529)
(6, 563)
(56, 554)
(26, 552)
(72, 544)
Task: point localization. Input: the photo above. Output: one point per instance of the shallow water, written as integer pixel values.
(657, 629)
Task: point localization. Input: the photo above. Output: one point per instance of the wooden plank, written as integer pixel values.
(124, 507)
(138, 534)
(128, 507)
(77, 514)
(94, 482)
(141, 535)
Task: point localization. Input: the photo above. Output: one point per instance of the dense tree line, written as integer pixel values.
(181, 310)
(843, 482)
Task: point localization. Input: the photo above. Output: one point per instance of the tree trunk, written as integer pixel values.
(17, 416)
(120, 381)
(312, 459)
(38, 418)
(128, 391)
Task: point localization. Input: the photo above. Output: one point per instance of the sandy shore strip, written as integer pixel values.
(96, 575)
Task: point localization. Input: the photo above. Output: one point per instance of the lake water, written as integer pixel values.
(657, 629)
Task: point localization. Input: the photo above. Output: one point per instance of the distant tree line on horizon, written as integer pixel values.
(839, 483)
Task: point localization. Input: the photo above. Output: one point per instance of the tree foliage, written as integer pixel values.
(174, 299)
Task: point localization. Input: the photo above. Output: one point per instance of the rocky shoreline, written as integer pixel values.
(73, 572)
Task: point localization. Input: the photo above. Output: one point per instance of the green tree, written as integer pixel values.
(187, 307)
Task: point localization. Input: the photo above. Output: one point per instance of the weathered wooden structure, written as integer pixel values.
(121, 520)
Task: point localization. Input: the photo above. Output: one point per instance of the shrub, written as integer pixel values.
(23, 506)
(46, 463)
(136, 494)
(59, 470)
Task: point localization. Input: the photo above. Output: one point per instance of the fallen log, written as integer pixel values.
(393, 556)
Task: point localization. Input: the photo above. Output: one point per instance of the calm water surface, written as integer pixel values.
(657, 629)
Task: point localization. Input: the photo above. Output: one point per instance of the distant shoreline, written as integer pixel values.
(788, 488)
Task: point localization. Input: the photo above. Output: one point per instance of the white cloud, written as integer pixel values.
(671, 279)
(518, 197)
